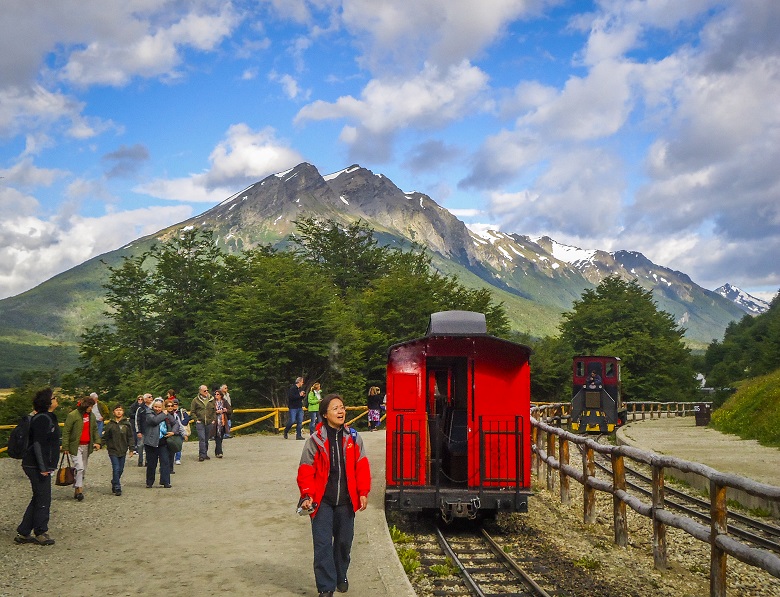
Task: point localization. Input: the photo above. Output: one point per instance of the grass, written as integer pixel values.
(753, 411)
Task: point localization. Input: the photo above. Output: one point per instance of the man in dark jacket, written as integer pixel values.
(38, 464)
(139, 418)
(295, 404)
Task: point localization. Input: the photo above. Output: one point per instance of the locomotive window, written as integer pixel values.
(580, 368)
(610, 369)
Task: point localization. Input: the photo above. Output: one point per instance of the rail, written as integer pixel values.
(546, 421)
(267, 414)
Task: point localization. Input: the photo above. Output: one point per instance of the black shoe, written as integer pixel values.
(301, 437)
(285, 437)
(201, 459)
(219, 455)
(173, 472)
(167, 486)
(118, 492)
(343, 586)
(22, 539)
(149, 486)
(140, 463)
(43, 539)
(326, 594)
(207, 457)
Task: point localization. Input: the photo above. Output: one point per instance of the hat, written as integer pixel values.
(118, 405)
(176, 401)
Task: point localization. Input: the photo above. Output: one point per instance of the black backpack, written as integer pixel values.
(19, 440)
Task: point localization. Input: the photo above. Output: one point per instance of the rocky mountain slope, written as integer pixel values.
(536, 278)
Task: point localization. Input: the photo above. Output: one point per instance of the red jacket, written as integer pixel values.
(315, 466)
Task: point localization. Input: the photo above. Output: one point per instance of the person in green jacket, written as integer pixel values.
(79, 438)
(313, 405)
(118, 438)
(203, 411)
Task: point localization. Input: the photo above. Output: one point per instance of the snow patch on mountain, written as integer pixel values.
(748, 303)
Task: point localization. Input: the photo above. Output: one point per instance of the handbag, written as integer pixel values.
(175, 443)
(66, 473)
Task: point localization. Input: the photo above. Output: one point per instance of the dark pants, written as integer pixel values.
(36, 517)
(117, 467)
(218, 440)
(332, 529)
(314, 418)
(153, 454)
(203, 439)
(296, 417)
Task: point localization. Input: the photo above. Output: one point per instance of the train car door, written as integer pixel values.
(447, 399)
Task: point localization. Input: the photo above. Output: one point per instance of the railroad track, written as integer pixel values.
(749, 529)
(485, 569)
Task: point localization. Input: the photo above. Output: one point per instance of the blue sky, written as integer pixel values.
(651, 126)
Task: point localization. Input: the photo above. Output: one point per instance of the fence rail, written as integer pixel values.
(274, 413)
(546, 421)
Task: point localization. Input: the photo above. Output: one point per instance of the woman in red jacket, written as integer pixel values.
(334, 479)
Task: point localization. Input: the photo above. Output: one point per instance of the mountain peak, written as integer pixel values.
(748, 303)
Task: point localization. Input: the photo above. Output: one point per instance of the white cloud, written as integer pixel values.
(143, 47)
(33, 250)
(25, 173)
(432, 98)
(440, 32)
(243, 157)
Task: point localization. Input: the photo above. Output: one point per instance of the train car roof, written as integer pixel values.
(595, 356)
(445, 324)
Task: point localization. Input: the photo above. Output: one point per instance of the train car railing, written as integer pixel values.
(546, 433)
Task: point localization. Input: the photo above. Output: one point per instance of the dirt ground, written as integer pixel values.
(225, 525)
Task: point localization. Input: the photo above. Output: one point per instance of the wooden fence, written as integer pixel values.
(547, 435)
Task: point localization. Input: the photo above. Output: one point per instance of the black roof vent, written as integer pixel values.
(454, 323)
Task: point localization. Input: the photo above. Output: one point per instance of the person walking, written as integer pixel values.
(119, 440)
(38, 463)
(224, 389)
(140, 425)
(295, 397)
(334, 479)
(203, 411)
(222, 411)
(184, 420)
(313, 400)
(100, 410)
(156, 433)
(374, 407)
(79, 439)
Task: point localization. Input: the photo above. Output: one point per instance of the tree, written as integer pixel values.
(750, 348)
(349, 255)
(621, 319)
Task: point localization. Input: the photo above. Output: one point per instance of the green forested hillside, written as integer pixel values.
(753, 412)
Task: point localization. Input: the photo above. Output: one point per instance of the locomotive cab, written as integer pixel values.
(458, 428)
(596, 405)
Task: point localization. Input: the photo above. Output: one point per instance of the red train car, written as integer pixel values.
(458, 427)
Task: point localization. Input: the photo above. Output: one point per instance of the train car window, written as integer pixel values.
(580, 368)
(610, 370)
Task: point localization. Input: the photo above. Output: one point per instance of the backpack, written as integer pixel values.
(19, 440)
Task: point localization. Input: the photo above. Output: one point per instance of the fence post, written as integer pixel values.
(618, 505)
(539, 448)
(588, 492)
(643, 411)
(534, 455)
(549, 469)
(718, 526)
(659, 528)
(563, 453)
